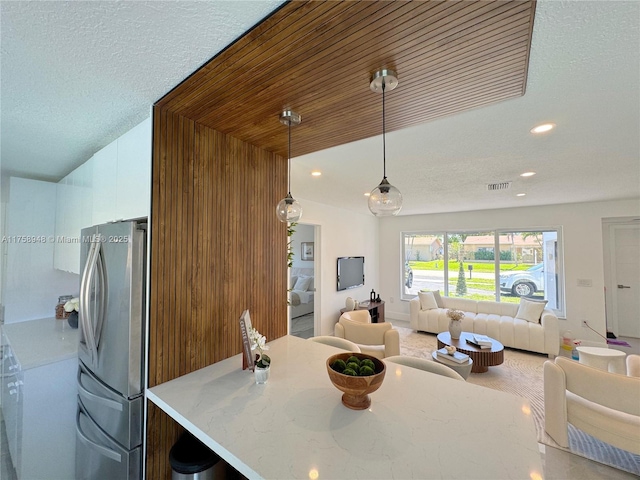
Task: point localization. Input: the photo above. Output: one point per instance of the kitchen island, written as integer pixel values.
(419, 425)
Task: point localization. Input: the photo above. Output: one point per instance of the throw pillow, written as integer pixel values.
(303, 283)
(436, 295)
(530, 310)
(294, 279)
(427, 301)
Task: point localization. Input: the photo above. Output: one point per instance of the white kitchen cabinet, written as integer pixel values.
(63, 197)
(112, 185)
(73, 212)
(39, 401)
(77, 213)
(48, 421)
(105, 170)
(11, 405)
(84, 184)
(134, 172)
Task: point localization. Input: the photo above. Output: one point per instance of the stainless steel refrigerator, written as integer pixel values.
(109, 419)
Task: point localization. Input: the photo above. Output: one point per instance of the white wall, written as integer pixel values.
(581, 225)
(341, 234)
(303, 233)
(32, 284)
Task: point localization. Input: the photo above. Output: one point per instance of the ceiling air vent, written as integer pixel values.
(492, 187)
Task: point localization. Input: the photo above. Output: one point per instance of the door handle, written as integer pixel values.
(623, 286)
(104, 451)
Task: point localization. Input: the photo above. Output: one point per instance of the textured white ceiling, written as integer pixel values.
(76, 75)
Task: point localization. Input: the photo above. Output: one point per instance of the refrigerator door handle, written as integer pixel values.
(104, 451)
(83, 392)
(102, 295)
(85, 287)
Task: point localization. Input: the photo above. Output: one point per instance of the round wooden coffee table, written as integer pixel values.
(482, 358)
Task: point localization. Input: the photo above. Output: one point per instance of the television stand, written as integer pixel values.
(376, 310)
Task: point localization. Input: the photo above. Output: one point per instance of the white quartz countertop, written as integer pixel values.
(420, 425)
(40, 342)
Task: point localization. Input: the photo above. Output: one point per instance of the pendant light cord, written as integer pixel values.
(384, 144)
(289, 158)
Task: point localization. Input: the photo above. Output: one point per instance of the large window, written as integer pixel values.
(501, 265)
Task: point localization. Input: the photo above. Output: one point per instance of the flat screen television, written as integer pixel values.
(350, 272)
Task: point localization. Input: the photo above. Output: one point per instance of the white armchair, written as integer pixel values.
(602, 404)
(362, 316)
(378, 339)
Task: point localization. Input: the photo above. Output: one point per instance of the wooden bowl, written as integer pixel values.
(356, 389)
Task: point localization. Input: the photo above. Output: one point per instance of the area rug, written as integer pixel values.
(521, 374)
(302, 326)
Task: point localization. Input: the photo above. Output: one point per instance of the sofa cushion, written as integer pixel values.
(531, 310)
(427, 301)
(464, 304)
(437, 296)
(504, 309)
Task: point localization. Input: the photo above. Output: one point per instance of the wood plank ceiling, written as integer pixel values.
(316, 57)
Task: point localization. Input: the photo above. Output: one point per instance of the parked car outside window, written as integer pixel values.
(523, 283)
(408, 275)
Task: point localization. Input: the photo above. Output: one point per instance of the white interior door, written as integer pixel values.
(625, 275)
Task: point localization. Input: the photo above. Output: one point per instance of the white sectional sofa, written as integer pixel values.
(497, 320)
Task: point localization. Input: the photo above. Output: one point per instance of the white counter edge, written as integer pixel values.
(225, 454)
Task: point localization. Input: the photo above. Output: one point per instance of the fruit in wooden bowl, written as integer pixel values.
(357, 375)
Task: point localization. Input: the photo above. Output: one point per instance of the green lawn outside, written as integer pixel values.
(477, 267)
(478, 296)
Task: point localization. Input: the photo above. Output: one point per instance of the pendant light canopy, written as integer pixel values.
(385, 199)
(289, 210)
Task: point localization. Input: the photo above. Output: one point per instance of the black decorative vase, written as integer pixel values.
(73, 319)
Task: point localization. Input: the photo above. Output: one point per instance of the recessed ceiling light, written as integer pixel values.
(545, 127)
(527, 174)
(520, 194)
(366, 194)
(316, 173)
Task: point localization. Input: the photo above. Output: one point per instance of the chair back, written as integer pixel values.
(426, 365)
(362, 316)
(364, 333)
(336, 342)
(597, 386)
(633, 365)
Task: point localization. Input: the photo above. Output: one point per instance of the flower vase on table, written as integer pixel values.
(261, 374)
(262, 362)
(455, 323)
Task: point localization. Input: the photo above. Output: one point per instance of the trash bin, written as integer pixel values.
(190, 459)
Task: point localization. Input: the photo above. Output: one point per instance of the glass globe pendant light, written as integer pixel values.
(289, 209)
(384, 200)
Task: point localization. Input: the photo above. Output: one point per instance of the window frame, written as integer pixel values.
(497, 232)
